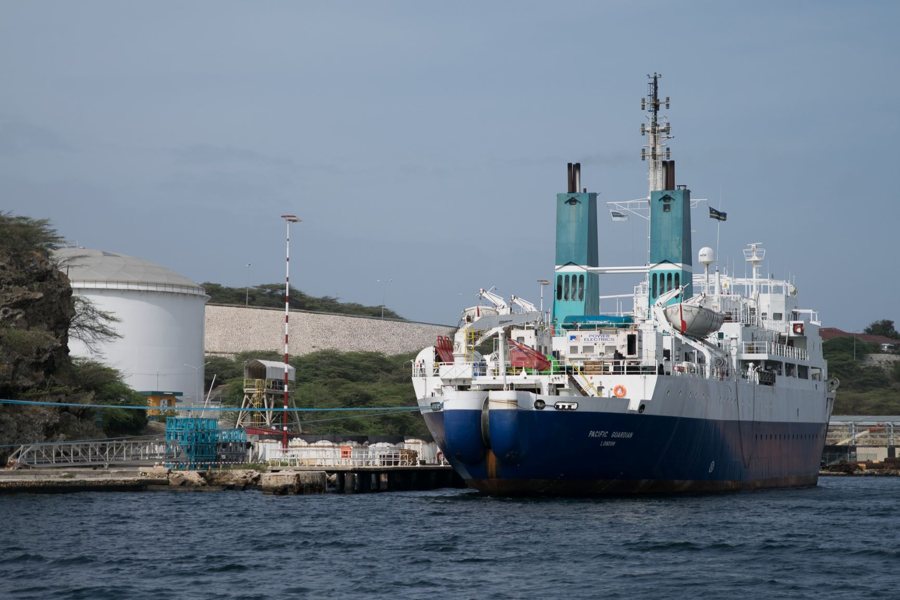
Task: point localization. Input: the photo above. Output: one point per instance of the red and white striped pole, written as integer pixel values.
(288, 219)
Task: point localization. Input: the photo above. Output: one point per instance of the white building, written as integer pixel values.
(161, 320)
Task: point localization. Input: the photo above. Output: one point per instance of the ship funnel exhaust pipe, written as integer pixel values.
(669, 174)
(573, 171)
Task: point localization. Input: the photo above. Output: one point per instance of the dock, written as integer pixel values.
(281, 481)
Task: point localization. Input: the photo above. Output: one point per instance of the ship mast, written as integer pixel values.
(658, 133)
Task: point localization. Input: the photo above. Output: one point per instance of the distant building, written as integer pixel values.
(830, 333)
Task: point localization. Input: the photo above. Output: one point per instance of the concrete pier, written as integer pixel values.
(293, 480)
(81, 480)
(362, 480)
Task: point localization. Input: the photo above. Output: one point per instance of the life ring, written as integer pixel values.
(619, 391)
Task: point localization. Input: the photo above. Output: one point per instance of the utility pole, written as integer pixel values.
(288, 219)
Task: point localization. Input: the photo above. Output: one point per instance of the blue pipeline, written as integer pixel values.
(205, 408)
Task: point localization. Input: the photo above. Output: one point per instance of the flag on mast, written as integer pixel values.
(718, 215)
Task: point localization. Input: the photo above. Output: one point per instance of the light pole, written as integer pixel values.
(385, 283)
(247, 296)
(288, 219)
(543, 283)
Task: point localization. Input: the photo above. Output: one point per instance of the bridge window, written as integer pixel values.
(653, 286)
(581, 287)
(566, 288)
(668, 281)
(559, 279)
(677, 279)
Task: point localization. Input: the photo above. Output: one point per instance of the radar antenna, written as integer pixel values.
(659, 132)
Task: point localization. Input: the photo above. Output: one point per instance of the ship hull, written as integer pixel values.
(613, 452)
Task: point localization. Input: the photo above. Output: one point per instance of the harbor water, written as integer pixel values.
(837, 540)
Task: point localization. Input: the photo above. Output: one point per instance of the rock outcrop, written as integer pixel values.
(35, 310)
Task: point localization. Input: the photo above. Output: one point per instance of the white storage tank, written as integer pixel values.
(161, 320)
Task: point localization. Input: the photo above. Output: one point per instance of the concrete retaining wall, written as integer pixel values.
(233, 329)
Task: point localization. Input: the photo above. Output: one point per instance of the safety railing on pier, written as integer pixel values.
(89, 453)
(870, 434)
(338, 456)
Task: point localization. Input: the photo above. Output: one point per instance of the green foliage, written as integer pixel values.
(884, 401)
(271, 295)
(331, 379)
(847, 347)
(865, 389)
(840, 352)
(883, 327)
(100, 384)
(224, 369)
(25, 234)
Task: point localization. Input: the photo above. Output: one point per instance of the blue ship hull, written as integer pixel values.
(558, 453)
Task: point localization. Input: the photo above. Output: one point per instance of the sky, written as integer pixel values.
(423, 143)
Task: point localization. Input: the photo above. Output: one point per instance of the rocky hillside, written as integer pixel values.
(36, 312)
(35, 306)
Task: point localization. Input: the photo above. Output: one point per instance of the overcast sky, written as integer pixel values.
(424, 142)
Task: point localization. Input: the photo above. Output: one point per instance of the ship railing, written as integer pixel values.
(461, 370)
(689, 369)
(585, 366)
(611, 366)
(775, 349)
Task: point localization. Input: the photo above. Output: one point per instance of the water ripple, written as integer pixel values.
(832, 541)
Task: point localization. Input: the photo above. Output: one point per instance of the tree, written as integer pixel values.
(90, 325)
(329, 379)
(883, 327)
(37, 310)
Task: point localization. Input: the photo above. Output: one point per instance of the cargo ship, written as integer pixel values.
(707, 382)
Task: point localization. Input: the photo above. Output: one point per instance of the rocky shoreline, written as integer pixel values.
(888, 468)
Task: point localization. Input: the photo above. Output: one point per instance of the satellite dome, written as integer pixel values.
(706, 256)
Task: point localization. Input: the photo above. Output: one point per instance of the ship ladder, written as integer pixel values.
(583, 384)
(471, 338)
